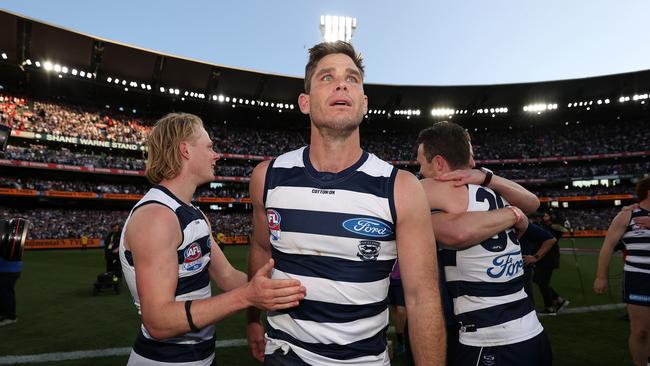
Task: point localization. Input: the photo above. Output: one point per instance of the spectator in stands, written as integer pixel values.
(636, 293)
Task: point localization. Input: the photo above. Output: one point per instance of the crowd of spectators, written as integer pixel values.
(65, 224)
(514, 143)
(594, 190)
(588, 219)
(40, 153)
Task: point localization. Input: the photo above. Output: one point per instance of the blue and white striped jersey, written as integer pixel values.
(637, 244)
(193, 348)
(486, 284)
(335, 232)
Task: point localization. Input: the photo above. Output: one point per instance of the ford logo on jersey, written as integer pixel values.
(192, 257)
(367, 227)
(506, 265)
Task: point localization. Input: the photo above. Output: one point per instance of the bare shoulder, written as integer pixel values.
(261, 168)
(256, 184)
(152, 224)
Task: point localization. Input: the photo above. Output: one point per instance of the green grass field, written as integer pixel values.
(57, 312)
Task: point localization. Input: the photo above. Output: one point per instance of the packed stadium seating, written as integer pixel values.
(492, 146)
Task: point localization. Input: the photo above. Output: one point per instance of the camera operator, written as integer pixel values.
(9, 273)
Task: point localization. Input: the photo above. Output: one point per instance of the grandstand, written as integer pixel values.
(81, 106)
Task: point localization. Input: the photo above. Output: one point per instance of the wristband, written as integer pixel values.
(517, 214)
(188, 313)
(488, 176)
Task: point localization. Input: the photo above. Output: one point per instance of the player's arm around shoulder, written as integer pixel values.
(418, 264)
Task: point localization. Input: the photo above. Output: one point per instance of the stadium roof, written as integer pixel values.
(24, 39)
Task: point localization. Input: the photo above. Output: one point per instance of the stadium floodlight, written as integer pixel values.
(607, 101)
(28, 62)
(83, 74)
(47, 65)
(4, 56)
(227, 99)
(291, 106)
(108, 79)
(57, 68)
(75, 72)
(162, 90)
(221, 98)
(38, 64)
(437, 112)
(335, 28)
(64, 69)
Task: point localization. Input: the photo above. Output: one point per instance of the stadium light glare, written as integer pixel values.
(221, 98)
(143, 86)
(64, 69)
(162, 90)
(227, 99)
(108, 79)
(75, 72)
(57, 68)
(621, 100)
(38, 64)
(4, 56)
(47, 65)
(607, 101)
(599, 102)
(28, 62)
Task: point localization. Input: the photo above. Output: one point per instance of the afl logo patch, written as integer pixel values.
(368, 250)
(273, 218)
(367, 227)
(192, 257)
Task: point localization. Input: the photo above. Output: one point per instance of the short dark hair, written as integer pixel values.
(448, 140)
(642, 188)
(323, 49)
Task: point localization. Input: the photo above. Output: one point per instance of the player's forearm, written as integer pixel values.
(470, 228)
(604, 258)
(234, 279)
(170, 320)
(515, 194)
(427, 331)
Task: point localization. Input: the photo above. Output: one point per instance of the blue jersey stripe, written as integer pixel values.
(639, 252)
(637, 240)
(325, 312)
(375, 345)
(332, 268)
(496, 315)
(485, 289)
(638, 265)
(193, 282)
(335, 224)
(357, 182)
(173, 352)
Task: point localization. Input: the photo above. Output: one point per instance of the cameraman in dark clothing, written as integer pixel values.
(111, 250)
(535, 244)
(553, 302)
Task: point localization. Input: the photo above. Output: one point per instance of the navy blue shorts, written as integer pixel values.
(636, 288)
(532, 352)
(396, 293)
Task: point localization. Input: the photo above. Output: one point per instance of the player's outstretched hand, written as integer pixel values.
(269, 294)
(463, 176)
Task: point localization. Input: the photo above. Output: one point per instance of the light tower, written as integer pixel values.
(335, 28)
